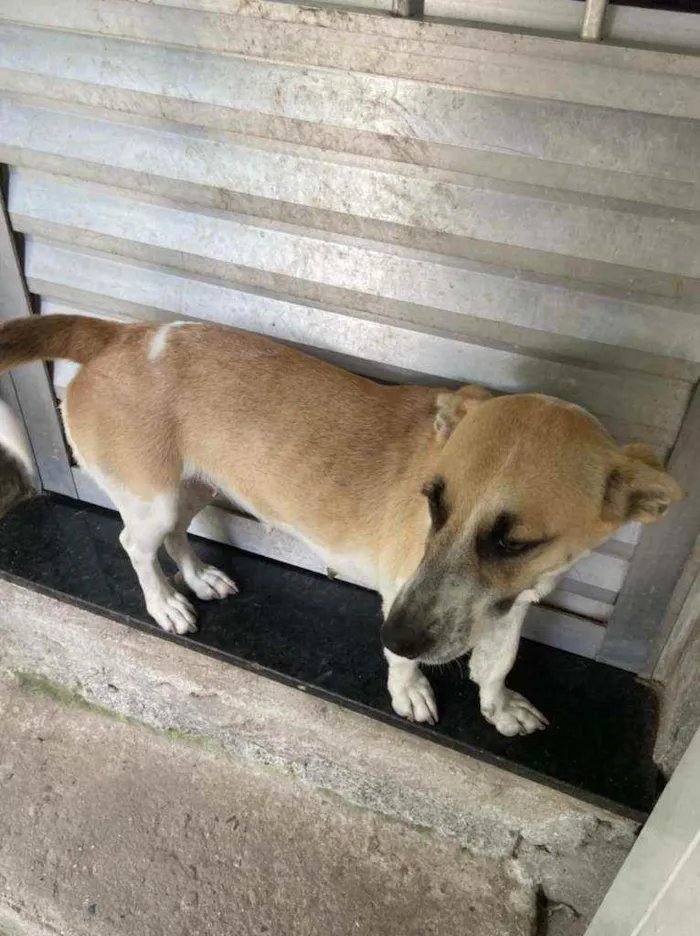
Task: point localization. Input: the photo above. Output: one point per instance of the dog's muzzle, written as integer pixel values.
(405, 637)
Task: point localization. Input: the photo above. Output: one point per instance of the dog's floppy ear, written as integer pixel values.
(452, 407)
(639, 488)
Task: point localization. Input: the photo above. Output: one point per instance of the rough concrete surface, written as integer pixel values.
(106, 827)
(562, 850)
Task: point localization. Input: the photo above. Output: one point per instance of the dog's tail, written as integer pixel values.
(53, 337)
(39, 338)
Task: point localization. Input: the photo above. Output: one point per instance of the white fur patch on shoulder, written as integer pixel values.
(160, 339)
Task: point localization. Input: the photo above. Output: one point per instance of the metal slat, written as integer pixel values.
(461, 205)
(552, 17)
(359, 149)
(463, 59)
(357, 100)
(369, 269)
(580, 315)
(624, 396)
(675, 30)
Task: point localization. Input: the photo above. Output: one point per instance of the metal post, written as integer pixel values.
(593, 20)
(31, 382)
(407, 9)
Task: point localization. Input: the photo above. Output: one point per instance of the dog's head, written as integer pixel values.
(522, 487)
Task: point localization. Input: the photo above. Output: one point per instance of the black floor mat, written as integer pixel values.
(323, 636)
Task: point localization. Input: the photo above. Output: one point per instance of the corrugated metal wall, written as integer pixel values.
(416, 200)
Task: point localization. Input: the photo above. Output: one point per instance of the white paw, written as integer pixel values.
(412, 696)
(513, 715)
(172, 611)
(208, 583)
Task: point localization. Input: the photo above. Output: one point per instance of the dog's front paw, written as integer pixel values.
(172, 611)
(208, 582)
(412, 696)
(512, 714)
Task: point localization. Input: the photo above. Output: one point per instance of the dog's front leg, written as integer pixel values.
(411, 693)
(491, 660)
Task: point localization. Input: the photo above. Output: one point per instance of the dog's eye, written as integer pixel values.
(512, 547)
(434, 491)
(497, 543)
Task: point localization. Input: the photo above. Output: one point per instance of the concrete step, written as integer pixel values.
(149, 789)
(109, 828)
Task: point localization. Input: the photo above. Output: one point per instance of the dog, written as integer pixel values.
(459, 507)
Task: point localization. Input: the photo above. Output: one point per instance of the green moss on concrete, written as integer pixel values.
(69, 696)
(38, 683)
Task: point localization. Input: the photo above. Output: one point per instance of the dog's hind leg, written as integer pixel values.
(207, 582)
(147, 522)
(146, 525)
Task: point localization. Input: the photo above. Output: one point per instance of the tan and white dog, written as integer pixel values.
(459, 508)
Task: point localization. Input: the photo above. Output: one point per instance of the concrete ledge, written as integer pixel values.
(563, 848)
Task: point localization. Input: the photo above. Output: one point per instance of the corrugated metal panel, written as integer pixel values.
(415, 200)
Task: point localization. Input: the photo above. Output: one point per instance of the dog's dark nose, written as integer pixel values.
(401, 646)
(403, 639)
